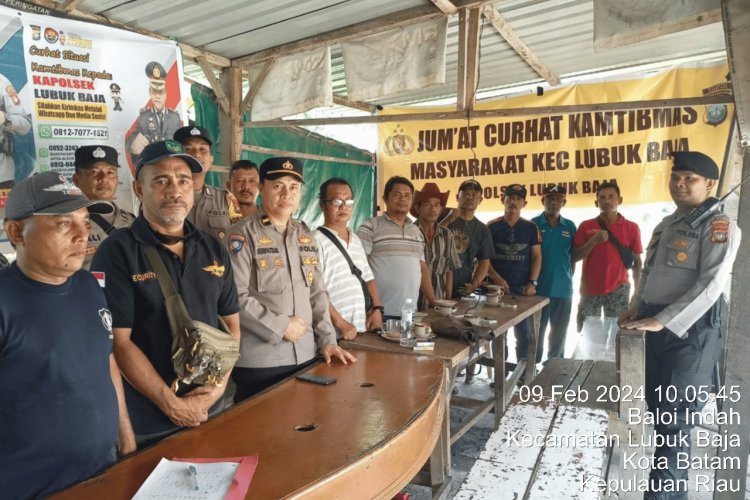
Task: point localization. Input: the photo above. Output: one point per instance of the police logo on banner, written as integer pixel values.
(236, 242)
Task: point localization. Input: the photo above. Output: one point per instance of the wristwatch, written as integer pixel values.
(379, 308)
(533, 282)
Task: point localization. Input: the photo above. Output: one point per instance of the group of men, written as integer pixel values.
(100, 359)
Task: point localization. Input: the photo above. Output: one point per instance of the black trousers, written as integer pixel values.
(251, 381)
(686, 364)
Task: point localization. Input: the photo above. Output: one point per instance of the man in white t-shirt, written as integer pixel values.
(346, 292)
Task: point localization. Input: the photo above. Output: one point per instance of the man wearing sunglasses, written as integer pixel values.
(346, 290)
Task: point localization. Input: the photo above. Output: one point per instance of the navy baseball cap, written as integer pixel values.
(184, 133)
(49, 193)
(696, 162)
(554, 189)
(515, 189)
(276, 167)
(157, 151)
(87, 156)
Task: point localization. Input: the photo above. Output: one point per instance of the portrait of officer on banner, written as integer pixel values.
(156, 122)
(15, 121)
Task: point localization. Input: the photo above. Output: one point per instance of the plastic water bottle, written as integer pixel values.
(407, 317)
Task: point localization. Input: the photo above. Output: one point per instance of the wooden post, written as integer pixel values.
(631, 375)
(468, 58)
(225, 120)
(235, 115)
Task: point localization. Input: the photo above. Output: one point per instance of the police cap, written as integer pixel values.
(87, 156)
(184, 133)
(470, 184)
(276, 167)
(157, 151)
(554, 189)
(515, 189)
(49, 193)
(156, 75)
(114, 87)
(696, 162)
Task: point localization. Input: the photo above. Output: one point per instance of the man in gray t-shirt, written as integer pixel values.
(473, 239)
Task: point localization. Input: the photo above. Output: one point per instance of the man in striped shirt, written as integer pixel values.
(395, 248)
(347, 301)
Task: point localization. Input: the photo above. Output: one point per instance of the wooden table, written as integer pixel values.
(374, 428)
(455, 354)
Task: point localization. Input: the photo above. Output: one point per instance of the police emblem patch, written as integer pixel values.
(277, 263)
(265, 240)
(682, 256)
(287, 165)
(173, 146)
(195, 131)
(310, 277)
(304, 239)
(236, 242)
(98, 153)
(262, 263)
(719, 230)
(680, 243)
(215, 269)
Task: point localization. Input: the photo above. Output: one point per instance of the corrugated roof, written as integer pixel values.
(559, 32)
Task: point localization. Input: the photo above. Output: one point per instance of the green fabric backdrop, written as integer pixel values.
(361, 177)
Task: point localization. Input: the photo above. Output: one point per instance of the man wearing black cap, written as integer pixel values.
(200, 269)
(518, 257)
(283, 298)
(680, 302)
(215, 209)
(96, 176)
(63, 409)
(472, 238)
(156, 122)
(556, 277)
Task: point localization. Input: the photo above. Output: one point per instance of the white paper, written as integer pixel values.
(172, 480)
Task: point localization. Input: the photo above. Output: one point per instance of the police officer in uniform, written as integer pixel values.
(158, 122)
(13, 121)
(96, 176)
(679, 302)
(283, 300)
(116, 97)
(215, 209)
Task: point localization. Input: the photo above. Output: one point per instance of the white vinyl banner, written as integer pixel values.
(66, 83)
(294, 84)
(406, 58)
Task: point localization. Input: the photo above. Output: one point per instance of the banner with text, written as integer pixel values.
(578, 149)
(66, 83)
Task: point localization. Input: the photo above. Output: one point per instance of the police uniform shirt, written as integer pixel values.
(118, 219)
(278, 276)
(687, 269)
(158, 125)
(214, 210)
(204, 279)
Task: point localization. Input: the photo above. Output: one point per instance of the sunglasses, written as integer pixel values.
(337, 202)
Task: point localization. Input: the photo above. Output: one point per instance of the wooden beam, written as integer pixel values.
(509, 34)
(362, 106)
(70, 5)
(497, 113)
(254, 87)
(308, 156)
(445, 6)
(216, 86)
(468, 58)
(235, 113)
(359, 30)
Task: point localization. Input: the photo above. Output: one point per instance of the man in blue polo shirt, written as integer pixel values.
(556, 277)
(518, 257)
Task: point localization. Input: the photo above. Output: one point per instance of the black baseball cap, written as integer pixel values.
(515, 189)
(184, 133)
(696, 162)
(87, 156)
(49, 193)
(470, 184)
(279, 166)
(554, 189)
(157, 151)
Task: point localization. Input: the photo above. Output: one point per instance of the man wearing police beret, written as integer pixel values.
(679, 302)
(283, 300)
(200, 269)
(215, 209)
(156, 122)
(96, 176)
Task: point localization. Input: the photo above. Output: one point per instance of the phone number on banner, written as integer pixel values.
(58, 132)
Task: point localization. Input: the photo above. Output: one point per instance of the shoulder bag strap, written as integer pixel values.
(177, 313)
(162, 275)
(102, 222)
(612, 238)
(354, 269)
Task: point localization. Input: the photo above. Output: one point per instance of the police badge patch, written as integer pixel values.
(236, 242)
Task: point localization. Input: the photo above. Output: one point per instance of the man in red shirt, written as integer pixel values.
(601, 243)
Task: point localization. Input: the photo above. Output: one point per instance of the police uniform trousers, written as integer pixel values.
(680, 362)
